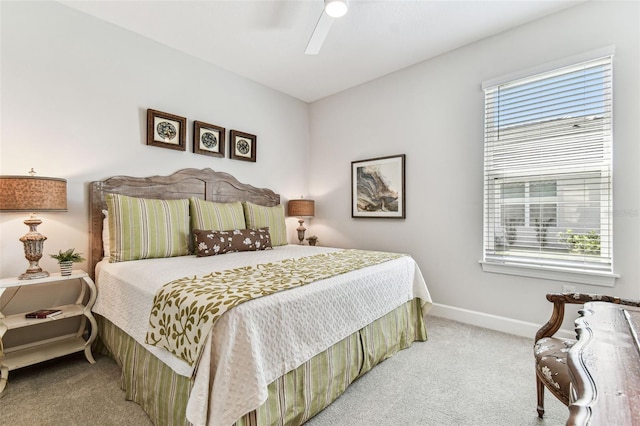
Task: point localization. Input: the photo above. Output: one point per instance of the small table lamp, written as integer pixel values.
(301, 208)
(33, 194)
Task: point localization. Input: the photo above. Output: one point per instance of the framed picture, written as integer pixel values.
(377, 187)
(166, 130)
(242, 146)
(208, 139)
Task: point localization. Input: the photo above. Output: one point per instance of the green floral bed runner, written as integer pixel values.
(185, 310)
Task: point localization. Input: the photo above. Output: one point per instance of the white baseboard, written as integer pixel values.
(493, 322)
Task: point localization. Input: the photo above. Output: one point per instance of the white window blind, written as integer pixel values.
(547, 170)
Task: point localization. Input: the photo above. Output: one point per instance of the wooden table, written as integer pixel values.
(604, 366)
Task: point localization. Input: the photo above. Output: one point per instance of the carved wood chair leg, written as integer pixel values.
(540, 388)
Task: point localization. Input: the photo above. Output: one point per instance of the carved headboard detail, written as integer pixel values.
(206, 184)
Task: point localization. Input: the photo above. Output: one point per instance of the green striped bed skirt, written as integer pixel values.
(293, 398)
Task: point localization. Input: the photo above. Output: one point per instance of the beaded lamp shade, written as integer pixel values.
(33, 194)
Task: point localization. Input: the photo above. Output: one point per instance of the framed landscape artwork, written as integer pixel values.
(166, 130)
(242, 146)
(208, 139)
(378, 187)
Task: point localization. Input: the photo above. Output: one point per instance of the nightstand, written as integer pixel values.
(35, 352)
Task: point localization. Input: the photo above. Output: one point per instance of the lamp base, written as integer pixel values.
(301, 230)
(33, 243)
(33, 275)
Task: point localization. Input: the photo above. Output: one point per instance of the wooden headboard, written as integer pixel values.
(206, 184)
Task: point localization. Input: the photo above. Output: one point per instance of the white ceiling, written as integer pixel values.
(265, 40)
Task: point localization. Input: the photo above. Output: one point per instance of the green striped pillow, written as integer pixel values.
(142, 228)
(260, 216)
(216, 216)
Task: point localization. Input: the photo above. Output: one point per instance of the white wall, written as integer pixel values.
(433, 113)
(74, 96)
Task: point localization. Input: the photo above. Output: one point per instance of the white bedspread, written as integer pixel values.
(262, 339)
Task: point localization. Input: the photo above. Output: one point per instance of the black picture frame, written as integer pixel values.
(378, 188)
(242, 146)
(208, 139)
(166, 130)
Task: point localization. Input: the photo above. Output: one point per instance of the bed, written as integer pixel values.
(276, 359)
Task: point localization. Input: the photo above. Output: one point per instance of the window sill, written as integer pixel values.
(556, 274)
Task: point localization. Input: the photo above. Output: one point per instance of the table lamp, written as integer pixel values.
(301, 208)
(33, 194)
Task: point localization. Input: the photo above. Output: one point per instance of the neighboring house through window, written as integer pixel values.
(547, 179)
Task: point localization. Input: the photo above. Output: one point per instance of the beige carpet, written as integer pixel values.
(463, 375)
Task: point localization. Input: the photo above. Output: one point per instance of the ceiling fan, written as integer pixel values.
(332, 9)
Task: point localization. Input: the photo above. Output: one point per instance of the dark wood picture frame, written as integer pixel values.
(208, 139)
(242, 146)
(378, 188)
(166, 130)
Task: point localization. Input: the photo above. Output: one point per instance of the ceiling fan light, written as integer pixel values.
(336, 8)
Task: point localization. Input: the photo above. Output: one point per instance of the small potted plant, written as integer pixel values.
(312, 240)
(66, 259)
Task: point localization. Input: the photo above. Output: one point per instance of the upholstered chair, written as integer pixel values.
(551, 352)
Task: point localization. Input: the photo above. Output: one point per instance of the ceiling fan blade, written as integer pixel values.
(319, 34)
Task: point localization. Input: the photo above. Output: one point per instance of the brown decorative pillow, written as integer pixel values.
(210, 243)
(250, 239)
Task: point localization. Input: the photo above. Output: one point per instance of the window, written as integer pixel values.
(547, 178)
